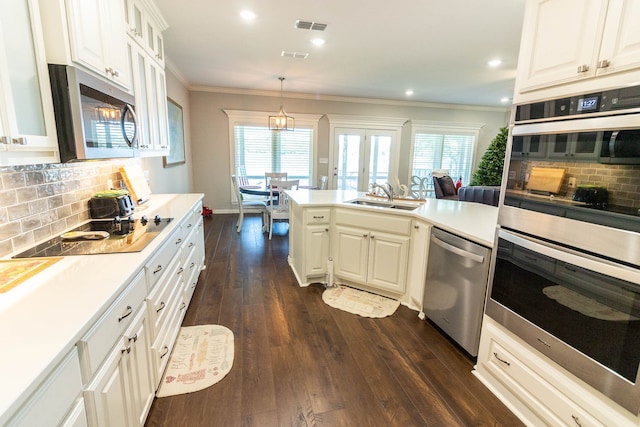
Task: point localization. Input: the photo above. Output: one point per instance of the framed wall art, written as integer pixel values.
(176, 135)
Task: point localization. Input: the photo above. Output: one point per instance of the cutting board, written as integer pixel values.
(546, 180)
(136, 183)
(15, 271)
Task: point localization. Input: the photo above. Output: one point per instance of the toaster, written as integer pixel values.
(110, 204)
(591, 195)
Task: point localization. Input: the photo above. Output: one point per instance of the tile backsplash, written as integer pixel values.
(621, 181)
(41, 201)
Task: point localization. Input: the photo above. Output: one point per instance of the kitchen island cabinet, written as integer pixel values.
(75, 302)
(378, 249)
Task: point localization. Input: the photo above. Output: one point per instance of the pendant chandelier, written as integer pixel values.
(282, 121)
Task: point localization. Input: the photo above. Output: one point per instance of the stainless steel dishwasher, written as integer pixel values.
(455, 288)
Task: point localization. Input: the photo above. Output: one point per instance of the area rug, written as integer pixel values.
(201, 357)
(585, 305)
(359, 302)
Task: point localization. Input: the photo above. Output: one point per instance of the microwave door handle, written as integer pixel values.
(129, 108)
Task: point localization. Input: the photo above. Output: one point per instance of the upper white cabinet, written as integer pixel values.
(566, 41)
(27, 123)
(97, 38)
(145, 26)
(88, 33)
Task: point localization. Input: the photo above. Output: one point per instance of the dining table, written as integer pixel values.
(261, 190)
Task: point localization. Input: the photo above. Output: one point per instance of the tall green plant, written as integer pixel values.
(490, 168)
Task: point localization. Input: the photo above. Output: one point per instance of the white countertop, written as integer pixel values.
(42, 318)
(473, 221)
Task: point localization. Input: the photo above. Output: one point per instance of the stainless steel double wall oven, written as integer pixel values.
(566, 272)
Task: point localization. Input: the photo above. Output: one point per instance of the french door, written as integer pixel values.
(362, 157)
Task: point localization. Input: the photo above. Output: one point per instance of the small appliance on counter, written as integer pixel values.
(591, 195)
(110, 204)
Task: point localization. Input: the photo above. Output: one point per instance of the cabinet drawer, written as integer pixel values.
(159, 263)
(161, 348)
(163, 296)
(373, 221)
(55, 397)
(551, 405)
(95, 345)
(191, 220)
(317, 215)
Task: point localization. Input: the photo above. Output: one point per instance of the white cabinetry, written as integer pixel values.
(149, 83)
(57, 400)
(97, 38)
(367, 255)
(309, 243)
(121, 390)
(565, 41)
(27, 123)
(538, 391)
(418, 262)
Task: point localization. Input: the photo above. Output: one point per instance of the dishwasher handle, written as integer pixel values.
(461, 252)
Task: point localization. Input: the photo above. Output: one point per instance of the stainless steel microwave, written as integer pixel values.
(94, 119)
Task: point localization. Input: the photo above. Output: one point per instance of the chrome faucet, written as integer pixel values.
(387, 190)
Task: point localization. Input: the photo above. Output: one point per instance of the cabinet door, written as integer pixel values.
(26, 110)
(116, 58)
(620, 48)
(352, 246)
(417, 270)
(140, 371)
(388, 258)
(85, 33)
(316, 250)
(134, 18)
(107, 396)
(560, 42)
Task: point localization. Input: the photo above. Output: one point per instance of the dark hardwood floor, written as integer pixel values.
(299, 362)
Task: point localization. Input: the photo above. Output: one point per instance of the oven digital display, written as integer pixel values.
(589, 103)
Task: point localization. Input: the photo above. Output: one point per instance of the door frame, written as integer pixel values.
(366, 124)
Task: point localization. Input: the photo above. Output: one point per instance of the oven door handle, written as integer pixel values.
(461, 252)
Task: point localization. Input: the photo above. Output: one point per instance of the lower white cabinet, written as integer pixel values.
(365, 254)
(122, 391)
(536, 390)
(417, 271)
(58, 399)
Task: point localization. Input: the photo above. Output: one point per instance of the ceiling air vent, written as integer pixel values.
(295, 55)
(308, 25)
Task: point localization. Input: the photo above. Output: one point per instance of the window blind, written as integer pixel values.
(443, 151)
(261, 150)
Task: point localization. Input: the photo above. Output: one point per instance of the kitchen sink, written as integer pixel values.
(381, 204)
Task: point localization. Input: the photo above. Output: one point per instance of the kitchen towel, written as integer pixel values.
(201, 357)
(359, 302)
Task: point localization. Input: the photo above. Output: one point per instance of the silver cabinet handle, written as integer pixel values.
(4, 140)
(19, 141)
(583, 68)
(126, 314)
(158, 269)
(134, 338)
(178, 241)
(604, 63)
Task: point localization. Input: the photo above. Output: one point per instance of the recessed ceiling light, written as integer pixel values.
(248, 15)
(409, 92)
(317, 42)
(494, 62)
(505, 99)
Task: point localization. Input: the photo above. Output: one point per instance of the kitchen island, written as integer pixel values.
(51, 325)
(376, 248)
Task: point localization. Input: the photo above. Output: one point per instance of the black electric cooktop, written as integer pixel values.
(106, 236)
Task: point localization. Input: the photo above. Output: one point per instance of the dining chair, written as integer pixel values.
(252, 204)
(268, 176)
(278, 205)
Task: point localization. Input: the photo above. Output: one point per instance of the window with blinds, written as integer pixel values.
(443, 150)
(259, 150)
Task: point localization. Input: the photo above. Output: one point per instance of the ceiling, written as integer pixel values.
(374, 49)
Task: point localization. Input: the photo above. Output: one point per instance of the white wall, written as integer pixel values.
(177, 178)
(210, 133)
